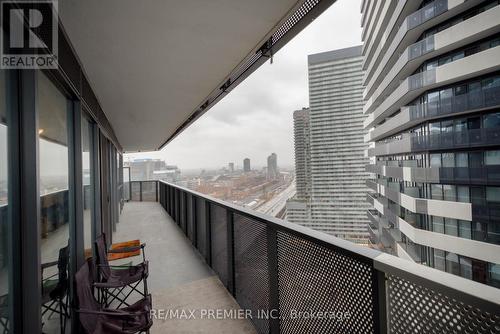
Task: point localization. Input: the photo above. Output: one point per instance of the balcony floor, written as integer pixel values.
(179, 278)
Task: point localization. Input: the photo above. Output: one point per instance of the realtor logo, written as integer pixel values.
(29, 35)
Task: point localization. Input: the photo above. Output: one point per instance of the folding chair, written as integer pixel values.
(114, 280)
(55, 290)
(95, 319)
(4, 313)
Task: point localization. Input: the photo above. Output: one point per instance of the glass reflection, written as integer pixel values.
(4, 223)
(53, 160)
(87, 181)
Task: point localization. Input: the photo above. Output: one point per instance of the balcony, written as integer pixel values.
(269, 267)
(179, 279)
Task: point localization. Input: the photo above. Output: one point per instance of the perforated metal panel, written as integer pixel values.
(417, 309)
(182, 211)
(172, 202)
(218, 234)
(313, 278)
(294, 19)
(190, 218)
(177, 206)
(135, 191)
(201, 227)
(251, 269)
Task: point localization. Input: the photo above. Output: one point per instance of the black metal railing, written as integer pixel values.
(141, 191)
(54, 215)
(297, 280)
(482, 98)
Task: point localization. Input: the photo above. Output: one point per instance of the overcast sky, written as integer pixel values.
(255, 119)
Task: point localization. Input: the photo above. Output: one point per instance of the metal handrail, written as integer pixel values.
(483, 297)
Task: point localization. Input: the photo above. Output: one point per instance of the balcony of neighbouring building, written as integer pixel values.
(208, 254)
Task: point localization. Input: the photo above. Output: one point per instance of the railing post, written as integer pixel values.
(230, 252)
(208, 233)
(140, 191)
(195, 223)
(185, 201)
(156, 190)
(379, 300)
(272, 258)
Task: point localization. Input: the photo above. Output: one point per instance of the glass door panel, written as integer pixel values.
(53, 108)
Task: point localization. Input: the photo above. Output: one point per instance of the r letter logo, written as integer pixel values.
(29, 35)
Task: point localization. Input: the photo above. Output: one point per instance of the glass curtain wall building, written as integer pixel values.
(432, 106)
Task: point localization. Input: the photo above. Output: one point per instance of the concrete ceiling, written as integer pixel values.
(152, 62)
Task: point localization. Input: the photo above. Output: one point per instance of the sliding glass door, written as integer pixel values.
(54, 154)
(88, 183)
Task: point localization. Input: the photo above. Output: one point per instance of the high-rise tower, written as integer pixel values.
(432, 99)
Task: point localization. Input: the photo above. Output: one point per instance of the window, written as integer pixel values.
(449, 192)
(433, 99)
(438, 224)
(435, 160)
(448, 160)
(435, 128)
(463, 194)
(439, 260)
(474, 123)
(450, 226)
(452, 265)
(460, 125)
(430, 65)
(53, 160)
(462, 159)
(493, 194)
(465, 267)
(492, 157)
(460, 90)
(474, 86)
(4, 202)
(447, 126)
(475, 159)
(491, 120)
(444, 60)
(491, 82)
(464, 229)
(477, 195)
(88, 183)
(437, 191)
(494, 273)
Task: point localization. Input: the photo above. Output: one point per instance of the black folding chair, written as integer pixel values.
(55, 290)
(95, 319)
(117, 283)
(4, 313)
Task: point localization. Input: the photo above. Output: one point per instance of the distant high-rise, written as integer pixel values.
(152, 169)
(330, 157)
(432, 99)
(301, 132)
(246, 165)
(272, 167)
(231, 167)
(297, 208)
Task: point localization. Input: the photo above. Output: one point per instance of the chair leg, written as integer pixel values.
(61, 317)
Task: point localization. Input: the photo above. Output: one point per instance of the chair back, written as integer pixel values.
(62, 273)
(62, 265)
(102, 255)
(86, 299)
